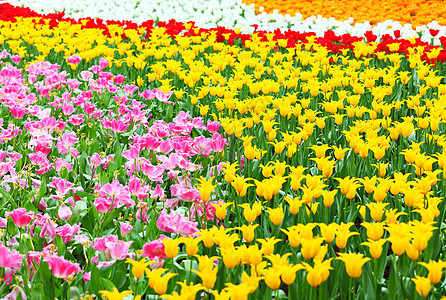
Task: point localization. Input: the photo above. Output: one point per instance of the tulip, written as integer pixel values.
(328, 232)
(272, 278)
(205, 187)
(329, 197)
(158, 282)
(191, 245)
(294, 204)
(9, 259)
(369, 184)
(231, 257)
(207, 237)
(249, 213)
(252, 255)
(240, 185)
(375, 247)
(248, 232)
(288, 273)
(339, 152)
(20, 216)
(208, 277)
(374, 230)
(435, 269)
(61, 267)
(229, 170)
(276, 215)
(422, 285)
(293, 236)
(376, 210)
(411, 252)
(170, 247)
(115, 294)
(348, 186)
(318, 273)
(342, 236)
(220, 209)
(353, 263)
(268, 244)
(138, 267)
(311, 247)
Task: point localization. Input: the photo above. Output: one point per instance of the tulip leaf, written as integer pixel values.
(85, 195)
(38, 292)
(95, 280)
(369, 283)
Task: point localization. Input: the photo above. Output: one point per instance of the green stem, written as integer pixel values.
(350, 287)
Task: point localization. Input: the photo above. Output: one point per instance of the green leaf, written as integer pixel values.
(10, 227)
(38, 292)
(95, 280)
(137, 240)
(120, 277)
(46, 276)
(89, 221)
(42, 190)
(85, 195)
(107, 284)
(7, 197)
(368, 282)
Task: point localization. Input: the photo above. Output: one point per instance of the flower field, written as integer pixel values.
(161, 159)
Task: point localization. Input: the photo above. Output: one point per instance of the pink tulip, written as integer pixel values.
(141, 213)
(86, 75)
(3, 222)
(129, 89)
(89, 108)
(10, 259)
(64, 212)
(74, 59)
(213, 126)
(95, 161)
(67, 232)
(158, 192)
(17, 111)
(166, 146)
(103, 63)
(66, 141)
(61, 267)
(62, 163)
(176, 223)
(100, 243)
(119, 79)
(95, 69)
(163, 97)
(67, 109)
(76, 119)
(20, 216)
(153, 249)
(73, 83)
(118, 250)
(16, 58)
(218, 143)
(125, 228)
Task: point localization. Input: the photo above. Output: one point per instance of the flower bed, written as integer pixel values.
(353, 17)
(164, 159)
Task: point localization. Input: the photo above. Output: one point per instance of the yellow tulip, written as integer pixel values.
(353, 263)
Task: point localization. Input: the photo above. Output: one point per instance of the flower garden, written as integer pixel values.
(280, 156)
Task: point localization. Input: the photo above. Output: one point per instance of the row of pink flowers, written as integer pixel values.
(52, 119)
